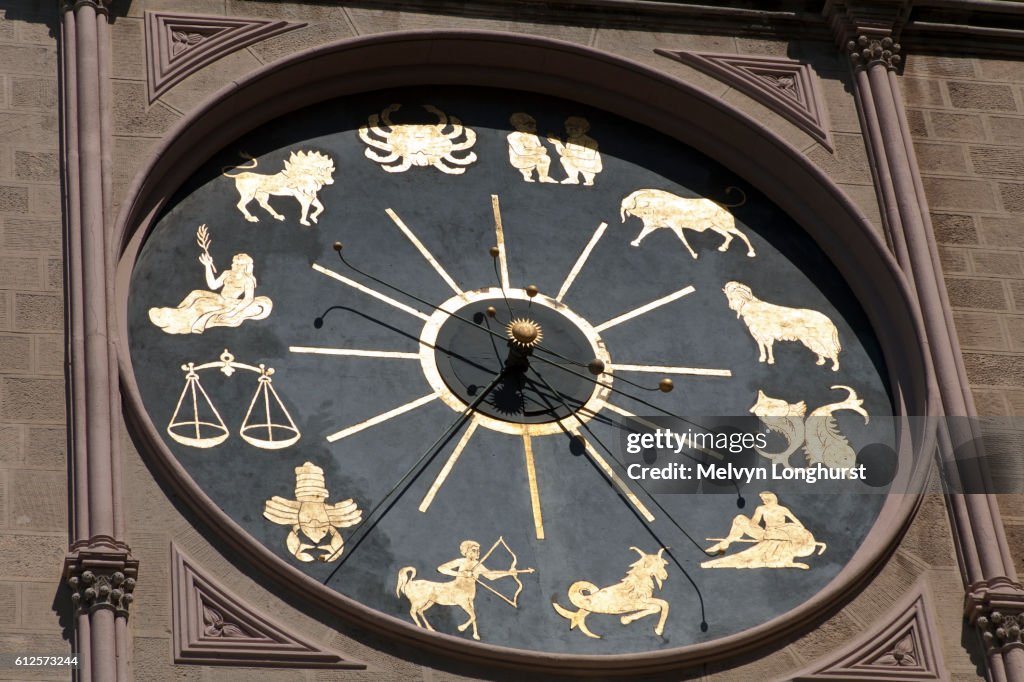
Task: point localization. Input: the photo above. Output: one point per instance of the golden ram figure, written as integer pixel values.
(769, 323)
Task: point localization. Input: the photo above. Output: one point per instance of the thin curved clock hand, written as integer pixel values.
(372, 519)
(668, 550)
(318, 323)
(611, 454)
(338, 248)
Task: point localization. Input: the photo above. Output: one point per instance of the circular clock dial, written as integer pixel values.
(434, 423)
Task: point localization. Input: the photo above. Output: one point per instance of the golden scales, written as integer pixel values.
(202, 426)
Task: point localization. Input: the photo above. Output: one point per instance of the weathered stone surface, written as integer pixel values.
(1002, 231)
(31, 233)
(1008, 130)
(49, 353)
(1012, 196)
(921, 92)
(15, 353)
(1015, 326)
(954, 228)
(38, 500)
(997, 263)
(948, 126)
(990, 403)
(32, 557)
(46, 447)
(128, 54)
(36, 166)
(932, 65)
(38, 60)
(994, 370)
(983, 96)
(953, 193)
(132, 114)
(979, 330)
(29, 128)
(1017, 292)
(10, 444)
(151, 662)
(32, 400)
(1000, 69)
(37, 606)
(13, 199)
(38, 312)
(987, 294)
(953, 260)
(917, 123)
(19, 272)
(33, 93)
(940, 158)
(997, 161)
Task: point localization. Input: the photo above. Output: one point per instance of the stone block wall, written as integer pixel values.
(968, 120)
(926, 552)
(33, 438)
(970, 146)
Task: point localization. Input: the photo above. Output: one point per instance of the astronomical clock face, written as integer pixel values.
(435, 421)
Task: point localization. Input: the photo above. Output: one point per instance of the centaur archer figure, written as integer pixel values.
(467, 570)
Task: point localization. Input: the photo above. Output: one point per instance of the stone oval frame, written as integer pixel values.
(622, 87)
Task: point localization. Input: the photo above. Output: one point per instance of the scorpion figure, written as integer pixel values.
(309, 515)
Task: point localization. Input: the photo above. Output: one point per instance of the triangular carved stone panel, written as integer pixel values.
(180, 44)
(212, 626)
(903, 648)
(787, 87)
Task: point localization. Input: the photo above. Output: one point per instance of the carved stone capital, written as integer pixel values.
(865, 51)
(101, 574)
(101, 6)
(867, 30)
(996, 608)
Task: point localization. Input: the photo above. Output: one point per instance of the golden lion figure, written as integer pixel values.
(303, 175)
(769, 323)
(633, 596)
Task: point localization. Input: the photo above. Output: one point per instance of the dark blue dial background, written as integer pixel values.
(589, 528)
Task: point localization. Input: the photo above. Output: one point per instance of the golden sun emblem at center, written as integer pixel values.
(523, 332)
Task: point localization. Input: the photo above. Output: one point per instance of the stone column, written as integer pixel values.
(866, 31)
(99, 567)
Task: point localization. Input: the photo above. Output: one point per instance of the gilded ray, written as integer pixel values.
(636, 312)
(370, 292)
(619, 483)
(434, 263)
(531, 475)
(581, 261)
(669, 369)
(381, 418)
(442, 475)
(499, 234)
(353, 352)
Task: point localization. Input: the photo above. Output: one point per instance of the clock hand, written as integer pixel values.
(668, 550)
(319, 323)
(424, 460)
(338, 248)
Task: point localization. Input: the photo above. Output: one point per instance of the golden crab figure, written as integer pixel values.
(309, 515)
(409, 145)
